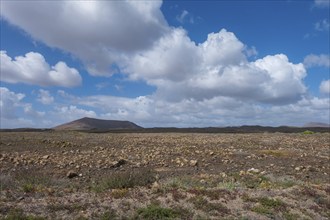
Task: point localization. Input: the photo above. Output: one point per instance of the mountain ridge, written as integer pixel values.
(316, 124)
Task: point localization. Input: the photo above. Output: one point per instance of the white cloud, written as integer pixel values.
(322, 3)
(322, 25)
(33, 69)
(325, 87)
(30, 112)
(149, 111)
(118, 27)
(180, 69)
(184, 17)
(143, 46)
(44, 97)
(63, 114)
(170, 58)
(251, 51)
(15, 113)
(218, 111)
(9, 102)
(317, 60)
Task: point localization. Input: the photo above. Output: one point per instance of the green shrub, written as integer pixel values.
(109, 215)
(271, 203)
(124, 180)
(32, 181)
(308, 132)
(290, 216)
(268, 206)
(202, 204)
(155, 212)
(119, 193)
(262, 210)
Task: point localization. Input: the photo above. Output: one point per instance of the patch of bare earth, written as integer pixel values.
(76, 175)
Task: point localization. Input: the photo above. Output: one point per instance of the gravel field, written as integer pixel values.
(79, 175)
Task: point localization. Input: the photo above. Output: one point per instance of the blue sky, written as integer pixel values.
(170, 63)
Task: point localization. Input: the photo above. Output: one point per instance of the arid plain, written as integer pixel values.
(80, 175)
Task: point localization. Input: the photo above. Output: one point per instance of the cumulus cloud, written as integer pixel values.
(44, 97)
(143, 46)
(14, 112)
(322, 25)
(9, 102)
(171, 58)
(317, 60)
(325, 87)
(180, 69)
(118, 27)
(322, 3)
(149, 111)
(64, 114)
(218, 111)
(34, 70)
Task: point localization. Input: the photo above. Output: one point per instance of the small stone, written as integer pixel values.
(155, 185)
(223, 174)
(242, 173)
(119, 163)
(253, 170)
(299, 168)
(71, 174)
(193, 163)
(45, 157)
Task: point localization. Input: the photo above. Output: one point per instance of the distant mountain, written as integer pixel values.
(316, 125)
(96, 124)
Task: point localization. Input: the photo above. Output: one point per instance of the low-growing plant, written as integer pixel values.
(251, 181)
(70, 207)
(81, 218)
(282, 183)
(229, 185)
(28, 187)
(246, 198)
(202, 204)
(124, 180)
(32, 181)
(212, 194)
(276, 153)
(109, 215)
(271, 203)
(119, 193)
(291, 216)
(6, 182)
(308, 132)
(177, 195)
(267, 206)
(18, 214)
(286, 183)
(155, 212)
(262, 210)
(184, 182)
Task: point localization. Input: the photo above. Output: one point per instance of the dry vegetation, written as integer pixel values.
(76, 175)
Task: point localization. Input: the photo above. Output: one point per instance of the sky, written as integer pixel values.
(165, 63)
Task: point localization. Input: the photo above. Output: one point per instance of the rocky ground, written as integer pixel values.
(78, 175)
